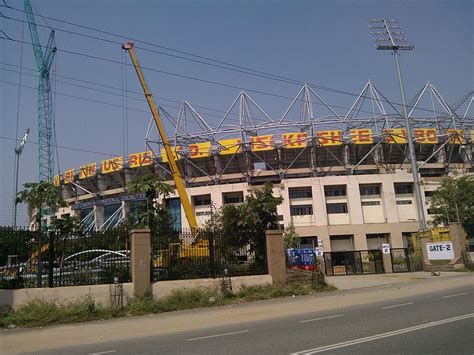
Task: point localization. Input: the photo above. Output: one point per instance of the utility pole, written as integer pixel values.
(18, 151)
(389, 36)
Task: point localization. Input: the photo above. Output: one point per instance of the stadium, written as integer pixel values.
(345, 179)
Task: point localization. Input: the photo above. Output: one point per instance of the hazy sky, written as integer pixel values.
(321, 42)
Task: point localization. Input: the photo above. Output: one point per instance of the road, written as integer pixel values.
(426, 317)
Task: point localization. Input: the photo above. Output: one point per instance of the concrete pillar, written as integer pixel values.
(126, 209)
(423, 240)
(99, 215)
(387, 263)
(360, 241)
(396, 239)
(276, 259)
(459, 239)
(140, 261)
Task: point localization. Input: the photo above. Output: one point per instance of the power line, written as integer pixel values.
(248, 70)
(61, 147)
(209, 81)
(113, 93)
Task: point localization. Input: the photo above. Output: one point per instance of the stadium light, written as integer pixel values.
(389, 35)
(18, 151)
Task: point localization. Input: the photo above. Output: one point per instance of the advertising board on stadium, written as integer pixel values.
(294, 140)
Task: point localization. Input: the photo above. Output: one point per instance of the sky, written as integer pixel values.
(326, 43)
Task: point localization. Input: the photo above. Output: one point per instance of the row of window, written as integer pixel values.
(340, 190)
(307, 210)
(306, 192)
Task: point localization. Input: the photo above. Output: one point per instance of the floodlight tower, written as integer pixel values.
(18, 151)
(388, 35)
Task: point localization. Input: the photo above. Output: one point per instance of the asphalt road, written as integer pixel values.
(438, 322)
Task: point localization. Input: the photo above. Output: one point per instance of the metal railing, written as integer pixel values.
(51, 259)
(208, 254)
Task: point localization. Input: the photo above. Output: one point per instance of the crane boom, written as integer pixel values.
(45, 99)
(178, 179)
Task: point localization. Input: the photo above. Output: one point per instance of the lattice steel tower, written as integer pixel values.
(44, 59)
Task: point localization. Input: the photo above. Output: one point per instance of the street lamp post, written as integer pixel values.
(388, 35)
(18, 151)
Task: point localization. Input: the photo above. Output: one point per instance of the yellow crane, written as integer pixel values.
(178, 179)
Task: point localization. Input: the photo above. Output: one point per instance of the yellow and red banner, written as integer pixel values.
(174, 150)
(396, 136)
(57, 180)
(136, 160)
(472, 135)
(329, 138)
(426, 135)
(68, 176)
(200, 150)
(456, 136)
(88, 170)
(230, 146)
(112, 165)
(361, 136)
(262, 143)
(294, 140)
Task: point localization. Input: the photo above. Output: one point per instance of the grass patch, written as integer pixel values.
(41, 313)
(38, 313)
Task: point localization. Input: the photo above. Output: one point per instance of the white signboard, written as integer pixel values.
(440, 251)
(319, 251)
(385, 248)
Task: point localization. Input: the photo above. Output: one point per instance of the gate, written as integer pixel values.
(357, 262)
(400, 260)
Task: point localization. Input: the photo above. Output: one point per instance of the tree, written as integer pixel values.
(40, 195)
(155, 215)
(246, 224)
(453, 201)
(291, 237)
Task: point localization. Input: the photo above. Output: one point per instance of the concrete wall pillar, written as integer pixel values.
(276, 259)
(424, 253)
(140, 261)
(387, 263)
(458, 237)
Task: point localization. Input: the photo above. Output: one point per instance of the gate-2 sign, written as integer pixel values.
(440, 251)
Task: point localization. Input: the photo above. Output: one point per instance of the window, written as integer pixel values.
(430, 211)
(202, 200)
(336, 207)
(301, 210)
(429, 193)
(370, 203)
(403, 189)
(300, 192)
(203, 213)
(233, 197)
(369, 190)
(404, 202)
(335, 190)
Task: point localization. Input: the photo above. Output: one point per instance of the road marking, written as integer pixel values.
(383, 335)
(455, 295)
(397, 305)
(104, 352)
(315, 319)
(218, 335)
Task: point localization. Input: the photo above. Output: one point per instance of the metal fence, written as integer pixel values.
(353, 262)
(52, 259)
(206, 254)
